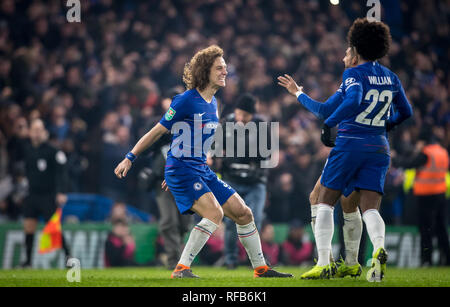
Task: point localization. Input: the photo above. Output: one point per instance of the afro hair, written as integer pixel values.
(371, 39)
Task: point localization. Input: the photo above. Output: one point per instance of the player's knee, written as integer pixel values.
(245, 216)
(216, 215)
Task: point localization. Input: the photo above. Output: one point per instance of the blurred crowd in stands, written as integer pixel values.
(99, 83)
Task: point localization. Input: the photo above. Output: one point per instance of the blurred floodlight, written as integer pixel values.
(334, 2)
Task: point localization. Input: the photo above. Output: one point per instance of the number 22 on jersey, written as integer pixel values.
(374, 96)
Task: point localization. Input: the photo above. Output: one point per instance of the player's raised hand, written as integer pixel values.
(287, 82)
(123, 168)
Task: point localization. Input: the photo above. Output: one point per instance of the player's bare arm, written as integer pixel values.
(144, 142)
(289, 84)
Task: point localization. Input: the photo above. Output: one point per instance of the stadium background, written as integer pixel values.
(99, 83)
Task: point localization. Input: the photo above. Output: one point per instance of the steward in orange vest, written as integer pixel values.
(430, 178)
(429, 190)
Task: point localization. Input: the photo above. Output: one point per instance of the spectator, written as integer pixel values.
(119, 212)
(59, 127)
(270, 248)
(6, 184)
(212, 252)
(120, 246)
(16, 168)
(304, 165)
(282, 199)
(114, 149)
(297, 249)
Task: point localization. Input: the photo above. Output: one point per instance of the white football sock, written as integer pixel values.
(352, 230)
(313, 225)
(324, 233)
(197, 239)
(313, 217)
(375, 228)
(249, 237)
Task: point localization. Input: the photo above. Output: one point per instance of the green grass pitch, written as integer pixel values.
(217, 277)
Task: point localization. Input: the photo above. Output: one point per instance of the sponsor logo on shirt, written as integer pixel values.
(170, 114)
(349, 81)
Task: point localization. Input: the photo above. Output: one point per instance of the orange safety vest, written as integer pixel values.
(430, 179)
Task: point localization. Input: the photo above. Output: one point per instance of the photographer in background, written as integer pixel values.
(243, 173)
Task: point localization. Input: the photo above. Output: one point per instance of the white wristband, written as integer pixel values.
(298, 93)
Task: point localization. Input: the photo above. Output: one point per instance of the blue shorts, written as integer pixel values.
(347, 171)
(187, 185)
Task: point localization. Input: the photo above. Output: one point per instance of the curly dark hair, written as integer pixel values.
(196, 72)
(371, 39)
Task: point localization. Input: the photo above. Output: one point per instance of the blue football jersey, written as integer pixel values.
(369, 91)
(193, 123)
(322, 109)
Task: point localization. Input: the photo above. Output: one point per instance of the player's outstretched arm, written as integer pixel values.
(350, 103)
(144, 142)
(320, 109)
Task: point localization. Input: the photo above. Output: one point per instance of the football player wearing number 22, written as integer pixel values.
(360, 157)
